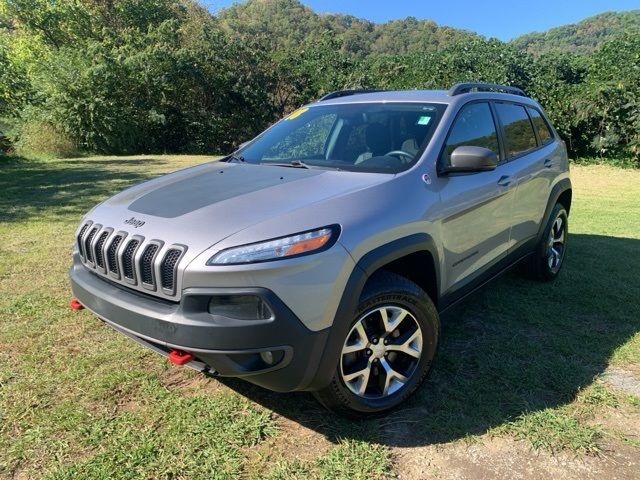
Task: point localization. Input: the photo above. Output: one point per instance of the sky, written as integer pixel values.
(504, 19)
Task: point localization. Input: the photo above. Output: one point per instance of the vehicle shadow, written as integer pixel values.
(27, 187)
(516, 346)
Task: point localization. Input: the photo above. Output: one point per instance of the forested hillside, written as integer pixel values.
(132, 76)
(286, 23)
(583, 37)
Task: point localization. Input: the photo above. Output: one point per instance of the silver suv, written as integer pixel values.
(318, 256)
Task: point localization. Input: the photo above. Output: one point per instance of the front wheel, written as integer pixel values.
(388, 350)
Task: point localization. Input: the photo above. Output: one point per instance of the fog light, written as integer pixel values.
(267, 357)
(240, 307)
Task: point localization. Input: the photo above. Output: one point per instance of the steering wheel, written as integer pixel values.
(400, 154)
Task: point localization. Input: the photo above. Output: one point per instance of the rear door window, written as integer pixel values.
(518, 132)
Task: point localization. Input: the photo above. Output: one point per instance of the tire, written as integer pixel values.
(546, 261)
(393, 354)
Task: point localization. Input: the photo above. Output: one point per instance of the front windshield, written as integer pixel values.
(367, 137)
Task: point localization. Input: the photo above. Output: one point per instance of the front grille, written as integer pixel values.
(112, 260)
(133, 261)
(167, 268)
(127, 259)
(99, 244)
(87, 244)
(146, 264)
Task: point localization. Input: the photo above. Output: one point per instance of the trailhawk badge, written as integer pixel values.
(134, 222)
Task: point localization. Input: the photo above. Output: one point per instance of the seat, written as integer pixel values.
(377, 140)
(410, 145)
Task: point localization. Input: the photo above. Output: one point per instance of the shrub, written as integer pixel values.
(41, 139)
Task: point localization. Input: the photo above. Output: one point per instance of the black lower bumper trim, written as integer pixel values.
(229, 346)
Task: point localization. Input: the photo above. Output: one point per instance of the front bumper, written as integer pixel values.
(221, 346)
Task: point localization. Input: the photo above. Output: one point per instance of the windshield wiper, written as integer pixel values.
(291, 164)
(235, 158)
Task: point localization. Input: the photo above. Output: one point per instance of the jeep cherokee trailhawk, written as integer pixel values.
(318, 255)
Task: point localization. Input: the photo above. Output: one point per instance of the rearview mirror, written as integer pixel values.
(468, 158)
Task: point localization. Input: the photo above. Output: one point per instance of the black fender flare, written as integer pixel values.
(364, 268)
(557, 190)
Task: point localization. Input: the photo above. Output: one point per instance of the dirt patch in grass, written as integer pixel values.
(297, 442)
(187, 381)
(506, 459)
(622, 380)
(294, 445)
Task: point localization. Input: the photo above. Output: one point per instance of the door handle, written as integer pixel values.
(548, 163)
(505, 181)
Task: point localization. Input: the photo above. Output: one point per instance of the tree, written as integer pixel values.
(166, 75)
(15, 91)
(612, 98)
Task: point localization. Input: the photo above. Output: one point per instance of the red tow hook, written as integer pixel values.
(178, 357)
(75, 304)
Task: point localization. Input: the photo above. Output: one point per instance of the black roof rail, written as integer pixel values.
(466, 87)
(346, 93)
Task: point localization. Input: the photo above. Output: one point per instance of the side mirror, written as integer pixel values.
(468, 158)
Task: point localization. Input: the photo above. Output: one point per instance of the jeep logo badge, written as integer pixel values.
(133, 221)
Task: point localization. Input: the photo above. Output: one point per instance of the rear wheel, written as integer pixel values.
(388, 350)
(546, 261)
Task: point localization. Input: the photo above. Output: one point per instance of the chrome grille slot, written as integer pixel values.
(146, 263)
(168, 268)
(112, 260)
(149, 266)
(128, 269)
(87, 244)
(99, 255)
(80, 235)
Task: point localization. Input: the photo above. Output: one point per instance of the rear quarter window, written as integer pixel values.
(541, 126)
(518, 131)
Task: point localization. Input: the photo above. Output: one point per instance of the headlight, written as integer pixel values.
(286, 247)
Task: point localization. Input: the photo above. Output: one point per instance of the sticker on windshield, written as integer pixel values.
(297, 113)
(423, 120)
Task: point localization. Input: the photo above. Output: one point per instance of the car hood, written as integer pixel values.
(202, 205)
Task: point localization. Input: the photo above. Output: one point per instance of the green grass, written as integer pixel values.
(519, 359)
(350, 459)
(555, 429)
(620, 162)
